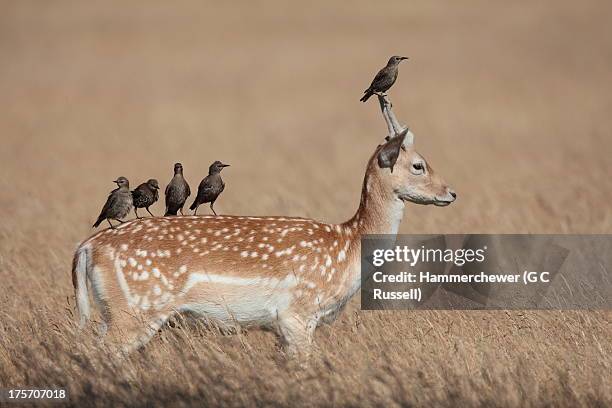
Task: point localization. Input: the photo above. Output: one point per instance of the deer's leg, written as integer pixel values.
(134, 334)
(297, 334)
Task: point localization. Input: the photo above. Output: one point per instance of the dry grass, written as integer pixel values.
(511, 102)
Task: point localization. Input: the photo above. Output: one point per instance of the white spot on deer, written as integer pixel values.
(132, 262)
(204, 240)
(183, 269)
(253, 254)
(244, 254)
(328, 261)
(156, 272)
(124, 247)
(179, 250)
(148, 262)
(157, 290)
(144, 303)
(264, 256)
(341, 255)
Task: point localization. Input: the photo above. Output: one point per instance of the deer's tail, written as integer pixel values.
(81, 264)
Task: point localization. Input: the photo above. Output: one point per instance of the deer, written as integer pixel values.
(289, 274)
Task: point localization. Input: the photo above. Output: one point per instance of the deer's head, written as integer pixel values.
(403, 172)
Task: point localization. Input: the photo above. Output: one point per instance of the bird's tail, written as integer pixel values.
(80, 269)
(367, 95)
(100, 219)
(171, 211)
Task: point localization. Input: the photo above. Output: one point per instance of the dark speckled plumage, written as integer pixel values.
(177, 192)
(118, 204)
(145, 195)
(384, 79)
(210, 187)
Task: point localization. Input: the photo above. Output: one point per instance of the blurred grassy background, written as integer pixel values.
(509, 101)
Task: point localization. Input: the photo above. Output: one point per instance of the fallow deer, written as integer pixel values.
(287, 273)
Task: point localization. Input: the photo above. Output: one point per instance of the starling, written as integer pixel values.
(118, 204)
(384, 79)
(177, 192)
(210, 188)
(145, 195)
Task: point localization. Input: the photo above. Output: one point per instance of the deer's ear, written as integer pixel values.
(390, 151)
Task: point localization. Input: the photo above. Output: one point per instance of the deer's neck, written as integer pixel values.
(379, 212)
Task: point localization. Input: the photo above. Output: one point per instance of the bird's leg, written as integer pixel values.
(195, 212)
(136, 212)
(109, 223)
(382, 95)
(121, 221)
(181, 210)
(150, 212)
(211, 207)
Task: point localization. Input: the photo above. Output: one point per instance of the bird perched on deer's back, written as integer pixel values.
(145, 195)
(177, 192)
(210, 187)
(118, 204)
(384, 79)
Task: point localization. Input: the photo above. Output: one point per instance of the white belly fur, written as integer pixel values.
(231, 300)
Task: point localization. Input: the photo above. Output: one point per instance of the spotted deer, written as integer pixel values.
(290, 274)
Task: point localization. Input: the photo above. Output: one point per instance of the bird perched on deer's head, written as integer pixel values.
(118, 204)
(210, 187)
(177, 192)
(384, 79)
(145, 195)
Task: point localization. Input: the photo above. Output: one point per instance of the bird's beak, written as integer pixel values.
(404, 58)
(116, 181)
(225, 165)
